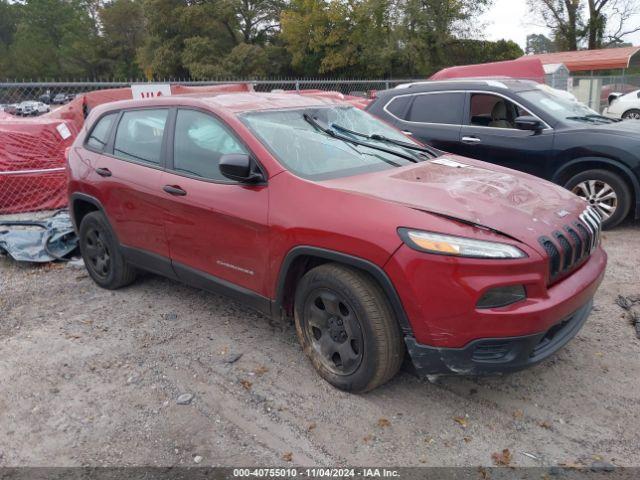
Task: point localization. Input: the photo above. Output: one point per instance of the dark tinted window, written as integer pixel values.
(398, 107)
(139, 135)
(437, 108)
(200, 140)
(98, 138)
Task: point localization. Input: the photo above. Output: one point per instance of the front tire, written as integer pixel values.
(101, 253)
(347, 328)
(606, 191)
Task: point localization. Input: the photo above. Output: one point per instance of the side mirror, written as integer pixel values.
(529, 123)
(240, 167)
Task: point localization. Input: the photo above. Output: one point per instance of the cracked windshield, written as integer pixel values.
(309, 152)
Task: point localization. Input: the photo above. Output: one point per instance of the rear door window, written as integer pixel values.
(441, 107)
(139, 135)
(99, 136)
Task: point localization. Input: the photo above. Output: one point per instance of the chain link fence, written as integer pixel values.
(32, 175)
(59, 93)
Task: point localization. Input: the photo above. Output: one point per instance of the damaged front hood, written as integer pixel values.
(510, 202)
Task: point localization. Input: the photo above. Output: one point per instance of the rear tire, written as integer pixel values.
(347, 328)
(604, 190)
(101, 253)
(633, 114)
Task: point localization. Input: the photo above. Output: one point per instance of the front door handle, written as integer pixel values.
(174, 190)
(471, 140)
(103, 172)
(407, 132)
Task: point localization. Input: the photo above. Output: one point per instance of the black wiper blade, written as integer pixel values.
(323, 127)
(603, 118)
(382, 138)
(584, 118)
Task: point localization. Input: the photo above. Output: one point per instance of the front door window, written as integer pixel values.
(494, 111)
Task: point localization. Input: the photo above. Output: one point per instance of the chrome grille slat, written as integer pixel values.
(566, 252)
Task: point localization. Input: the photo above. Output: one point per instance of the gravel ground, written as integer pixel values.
(92, 377)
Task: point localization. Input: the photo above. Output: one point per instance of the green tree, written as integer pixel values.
(122, 35)
(8, 27)
(466, 52)
(539, 43)
(205, 38)
(54, 39)
(160, 53)
(428, 26)
(352, 38)
(257, 20)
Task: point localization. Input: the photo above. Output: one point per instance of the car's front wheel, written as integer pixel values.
(605, 191)
(347, 328)
(101, 254)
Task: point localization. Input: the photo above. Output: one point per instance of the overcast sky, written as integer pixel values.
(510, 19)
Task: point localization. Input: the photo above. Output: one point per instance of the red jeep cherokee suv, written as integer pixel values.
(309, 208)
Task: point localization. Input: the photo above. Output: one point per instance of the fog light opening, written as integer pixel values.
(502, 296)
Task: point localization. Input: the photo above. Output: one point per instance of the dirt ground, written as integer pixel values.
(92, 377)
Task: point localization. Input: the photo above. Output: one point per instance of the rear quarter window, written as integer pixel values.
(398, 106)
(99, 135)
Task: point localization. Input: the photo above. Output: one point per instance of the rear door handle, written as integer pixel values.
(407, 132)
(471, 140)
(103, 172)
(174, 190)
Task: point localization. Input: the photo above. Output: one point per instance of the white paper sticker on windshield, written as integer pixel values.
(447, 162)
(63, 130)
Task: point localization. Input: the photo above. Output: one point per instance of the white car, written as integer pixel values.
(31, 108)
(623, 106)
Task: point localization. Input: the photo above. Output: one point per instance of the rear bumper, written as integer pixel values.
(608, 114)
(490, 356)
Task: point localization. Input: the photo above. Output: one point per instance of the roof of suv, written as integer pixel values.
(234, 102)
(503, 83)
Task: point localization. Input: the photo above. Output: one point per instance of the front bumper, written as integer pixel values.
(490, 356)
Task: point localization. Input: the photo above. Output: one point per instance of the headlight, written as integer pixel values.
(457, 246)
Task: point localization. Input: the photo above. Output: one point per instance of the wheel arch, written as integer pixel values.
(301, 259)
(83, 204)
(577, 165)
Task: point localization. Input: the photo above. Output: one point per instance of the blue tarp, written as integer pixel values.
(39, 240)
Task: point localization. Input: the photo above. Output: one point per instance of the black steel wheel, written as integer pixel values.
(347, 328)
(101, 253)
(334, 330)
(97, 252)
